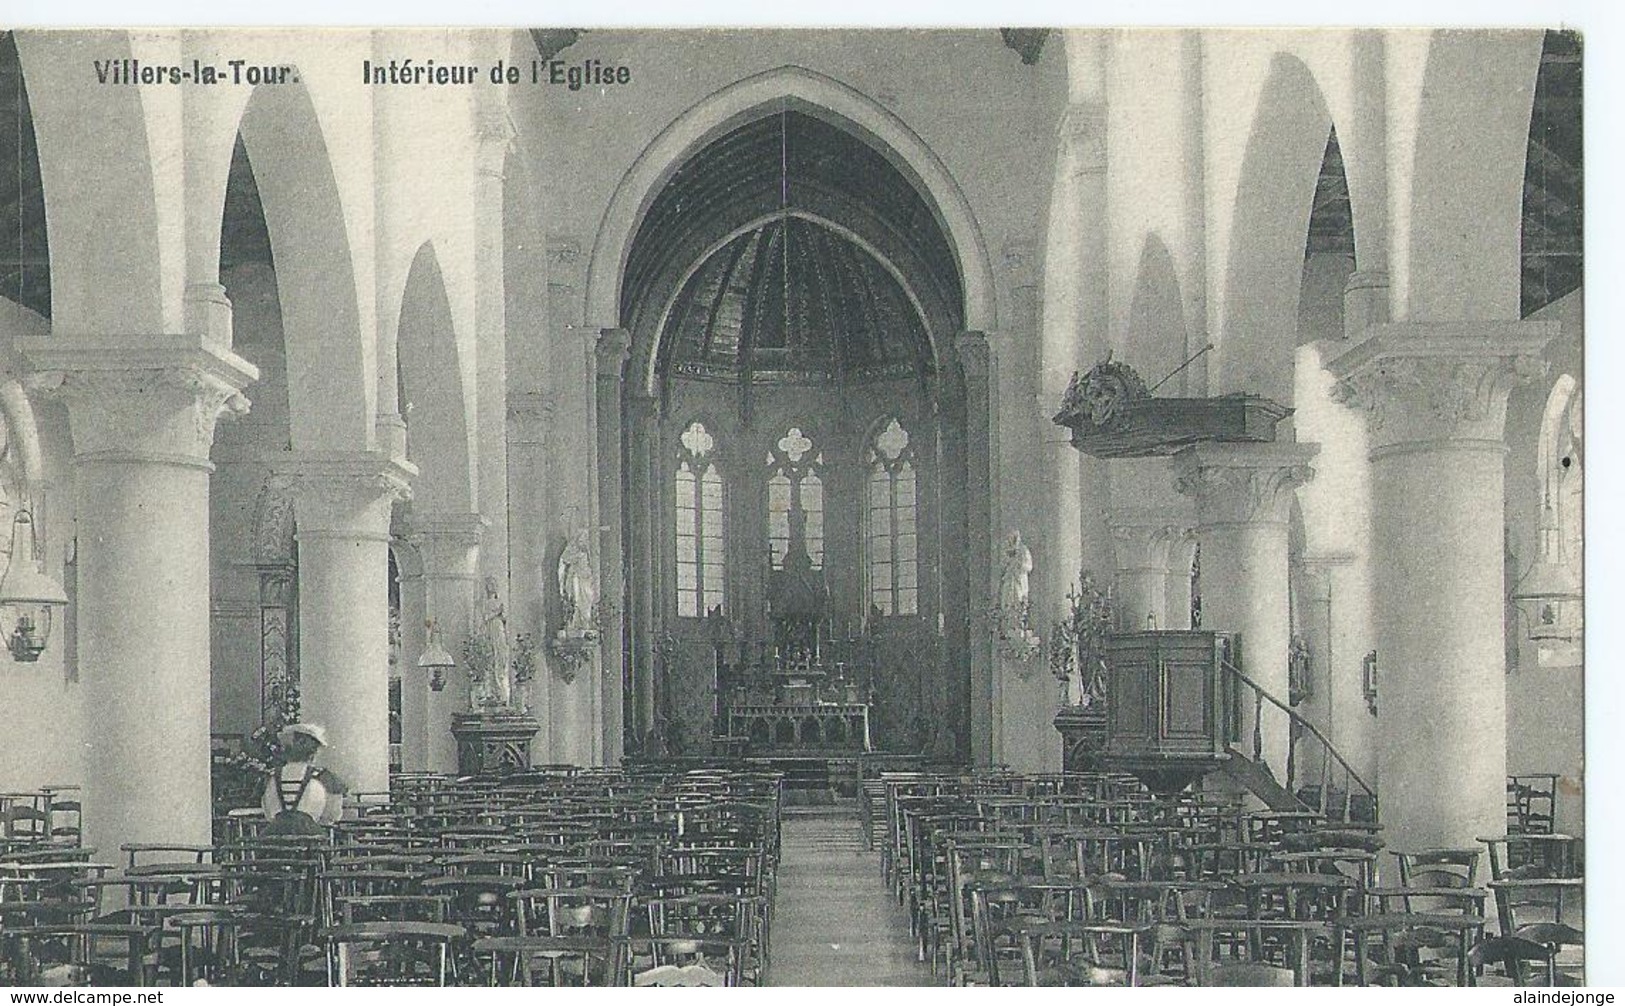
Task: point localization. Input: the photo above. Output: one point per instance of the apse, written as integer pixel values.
(798, 459)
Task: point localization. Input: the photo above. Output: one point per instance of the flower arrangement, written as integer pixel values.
(1078, 643)
(239, 777)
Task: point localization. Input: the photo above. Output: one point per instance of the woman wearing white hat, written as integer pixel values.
(300, 798)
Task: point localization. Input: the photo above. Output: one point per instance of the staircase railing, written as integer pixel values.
(1332, 767)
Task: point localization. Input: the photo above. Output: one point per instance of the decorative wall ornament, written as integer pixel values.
(524, 670)
(1299, 668)
(1101, 397)
(1368, 681)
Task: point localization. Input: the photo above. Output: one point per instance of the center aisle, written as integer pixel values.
(834, 922)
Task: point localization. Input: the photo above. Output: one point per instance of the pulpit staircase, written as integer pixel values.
(1318, 777)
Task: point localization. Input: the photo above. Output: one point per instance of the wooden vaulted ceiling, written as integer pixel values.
(792, 300)
(786, 160)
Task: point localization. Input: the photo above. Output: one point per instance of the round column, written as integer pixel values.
(449, 545)
(1177, 589)
(342, 504)
(142, 424)
(1243, 496)
(1435, 398)
(1140, 545)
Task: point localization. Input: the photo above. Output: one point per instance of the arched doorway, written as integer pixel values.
(795, 467)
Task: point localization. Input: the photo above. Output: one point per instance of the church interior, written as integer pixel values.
(793, 507)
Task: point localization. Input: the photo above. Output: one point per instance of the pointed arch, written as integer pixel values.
(818, 95)
(1269, 229)
(437, 426)
(331, 401)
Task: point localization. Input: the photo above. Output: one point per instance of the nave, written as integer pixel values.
(652, 877)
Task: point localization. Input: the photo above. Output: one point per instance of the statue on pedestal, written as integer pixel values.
(490, 653)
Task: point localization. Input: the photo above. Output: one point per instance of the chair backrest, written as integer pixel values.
(391, 953)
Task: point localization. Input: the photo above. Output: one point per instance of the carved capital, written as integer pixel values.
(530, 414)
(157, 402)
(493, 134)
(1083, 136)
(975, 355)
(613, 349)
(1243, 483)
(446, 542)
(1141, 540)
(342, 494)
(1439, 386)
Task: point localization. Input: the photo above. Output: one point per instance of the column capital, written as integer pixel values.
(1439, 386)
(530, 413)
(613, 349)
(975, 355)
(156, 402)
(1243, 483)
(1141, 538)
(446, 542)
(341, 494)
(1083, 132)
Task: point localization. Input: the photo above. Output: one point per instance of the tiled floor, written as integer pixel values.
(834, 922)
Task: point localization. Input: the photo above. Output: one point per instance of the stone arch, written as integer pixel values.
(436, 412)
(816, 94)
(112, 271)
(1156, 326)
(1256, 340)
(331, 401)
(1458, 223)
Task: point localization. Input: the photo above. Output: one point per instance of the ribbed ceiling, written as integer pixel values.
(786, 160)
(792, 300)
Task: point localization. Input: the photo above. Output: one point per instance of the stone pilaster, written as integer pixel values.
(613, 349)
(986, 702)
(143, 419)
(342, 506)
(1435, 401)
(1243, 496)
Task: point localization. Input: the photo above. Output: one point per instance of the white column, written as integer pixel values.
(1141, 541)
(342, 504)
(1435, 398)
(450, 547)
(143, 421)
(1333, 623)
(1243, 496)
(1177, 592)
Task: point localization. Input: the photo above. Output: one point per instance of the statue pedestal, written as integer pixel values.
(493, 742)
(1083, 738)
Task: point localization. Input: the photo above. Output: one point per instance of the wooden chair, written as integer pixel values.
(577, 934)
(391, 953)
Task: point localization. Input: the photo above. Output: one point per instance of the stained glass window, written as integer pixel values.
(893, 516)
(701, 551)
(795, 498)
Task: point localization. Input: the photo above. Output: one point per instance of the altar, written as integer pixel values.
(806, 727)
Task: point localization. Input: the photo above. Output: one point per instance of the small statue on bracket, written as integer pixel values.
(573, 645)
(1012, 614)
